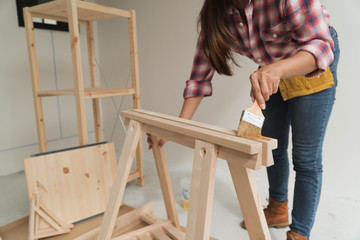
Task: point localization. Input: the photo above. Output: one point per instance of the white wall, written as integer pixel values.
(18, 135)
(167, 36)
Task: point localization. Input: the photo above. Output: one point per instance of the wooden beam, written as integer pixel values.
(222, 139)
(57, 18)
(252, 161)
(135, 80)
(249, 201)
(103, 10)
(165, 182)
(141, 231)
(77, 70)
(268, 144)
(34, 70)
(117, 191)
(121, 221)
(93, 80)
(201, 191)
(174, 232)
(159, 235)
(89, 92)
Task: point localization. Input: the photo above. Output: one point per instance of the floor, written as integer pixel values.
(337, 218)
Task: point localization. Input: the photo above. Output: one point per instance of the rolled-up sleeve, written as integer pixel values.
(310, 24)
(202, 73)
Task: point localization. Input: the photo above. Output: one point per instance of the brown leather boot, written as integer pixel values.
(290, 235)
(276, 214)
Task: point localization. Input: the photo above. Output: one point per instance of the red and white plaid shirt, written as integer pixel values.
(275, 30)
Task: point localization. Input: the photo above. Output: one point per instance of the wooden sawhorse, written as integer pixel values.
(210, 142)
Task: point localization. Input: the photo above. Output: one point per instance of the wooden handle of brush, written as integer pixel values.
(255, 109)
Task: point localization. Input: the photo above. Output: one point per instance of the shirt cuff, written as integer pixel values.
(197, 88)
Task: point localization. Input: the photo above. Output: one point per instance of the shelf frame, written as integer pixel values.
(77, 12)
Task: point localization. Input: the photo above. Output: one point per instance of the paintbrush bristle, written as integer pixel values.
(251, 122)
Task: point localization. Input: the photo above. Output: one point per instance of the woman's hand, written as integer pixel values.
(161, 142)
(264, 83)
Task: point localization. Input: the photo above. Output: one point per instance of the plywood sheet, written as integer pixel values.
(73, 184)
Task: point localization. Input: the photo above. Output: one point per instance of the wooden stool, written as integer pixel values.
(210, 142)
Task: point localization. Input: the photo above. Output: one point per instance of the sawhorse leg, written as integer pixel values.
(165, 182)
(249, 201)
(122, 173)
(201, 191)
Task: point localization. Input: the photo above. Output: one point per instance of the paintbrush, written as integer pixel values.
(251, 122)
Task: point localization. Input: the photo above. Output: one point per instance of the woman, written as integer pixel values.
(297, 53)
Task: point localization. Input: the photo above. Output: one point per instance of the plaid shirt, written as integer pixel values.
(275, 30)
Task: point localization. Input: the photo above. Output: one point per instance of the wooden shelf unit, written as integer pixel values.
(77, 12)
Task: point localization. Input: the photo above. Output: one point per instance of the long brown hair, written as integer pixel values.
(216, 35)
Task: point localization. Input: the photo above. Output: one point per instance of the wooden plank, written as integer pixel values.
(145, 236)
(50, 234)
(18, 230)
(150, 218)
(52, 214)
(87, 11)
(135, 80)
(77, 70)
(122, 220)
(93, 80)
(201, 191)
(49, 7)
(37, 217)
(57, 18)
(35, 80)
(249, 201)
(159, 235)
(252, 161)
(117, 191)
(16, 224)
(88, 92)
(233, 142)
(100, 12)
(141, 231)
(140, 163)
(165, 182)
(73, 184)
(134, 59)
(133, 175)
(46, 217)
(32, 219)
(268, 144)
(174, 232)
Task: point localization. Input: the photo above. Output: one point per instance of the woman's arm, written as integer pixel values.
(189, 107)
(265, 81)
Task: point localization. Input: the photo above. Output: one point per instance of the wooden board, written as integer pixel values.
(193, 131)
(73, 184)
(87, 11)
(18, 230)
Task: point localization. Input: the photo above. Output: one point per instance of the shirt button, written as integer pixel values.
(274, 35)
(259, 60)
(241, 24)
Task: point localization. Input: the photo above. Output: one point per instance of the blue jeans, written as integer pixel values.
(308, 117)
